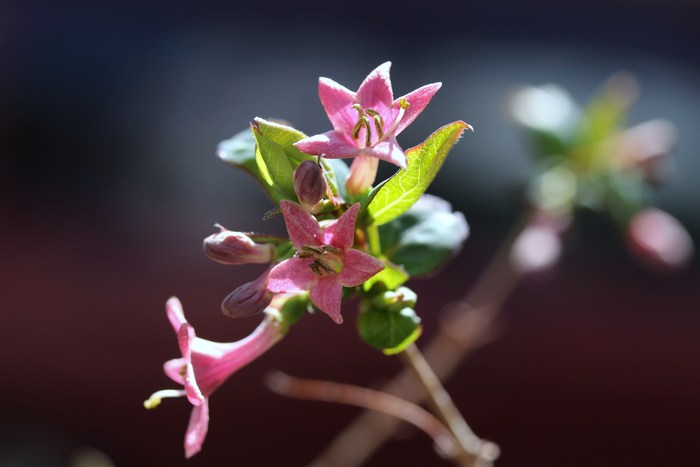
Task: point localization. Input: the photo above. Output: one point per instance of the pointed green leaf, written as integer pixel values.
(274, 165)
(406, 186)
(239, 151)
(363, 218)
(285, 136)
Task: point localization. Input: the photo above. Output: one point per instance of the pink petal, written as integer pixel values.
(186, 336)
(389, 151)
(341, 233)
(331, 144)
(197, 429)
(327, 295)
(173, 308)
(417, 100)
(375, 91)
(173, 368)
(337, 100)
(291, 276)
(358, 267)
(302, 227)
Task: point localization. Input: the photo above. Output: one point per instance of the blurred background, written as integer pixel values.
(110, 113)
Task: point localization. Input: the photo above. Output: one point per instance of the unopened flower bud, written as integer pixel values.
(659, 241)
(310, 185)
(363, 172)
(227, 247)
(249, 299)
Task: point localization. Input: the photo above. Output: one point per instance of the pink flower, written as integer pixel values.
(367, 122)
(659, 241)
(205, 365)
(325, 261)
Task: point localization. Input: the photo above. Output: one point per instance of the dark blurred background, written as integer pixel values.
(110, 113)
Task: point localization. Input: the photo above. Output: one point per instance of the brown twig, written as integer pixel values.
(466, 327)
(439, 400)
(378, 401)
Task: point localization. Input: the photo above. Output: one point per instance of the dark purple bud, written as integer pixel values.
(228, 247)
(248, 300)
(310, 185)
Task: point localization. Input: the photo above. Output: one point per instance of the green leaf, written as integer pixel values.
(363, 218)
(274, 165)
(406, 186)
(405, 343)
(392, 276)
(337, 172)
(284, 251)
(425, 237)
(390, 331)
(294, 309)
(603, 118)
(285, 136)
(239, 151)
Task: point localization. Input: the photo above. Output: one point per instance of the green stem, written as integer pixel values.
(375, 245)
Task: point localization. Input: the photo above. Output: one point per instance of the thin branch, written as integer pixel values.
(467, 326)
(442, 405)
(370, 399)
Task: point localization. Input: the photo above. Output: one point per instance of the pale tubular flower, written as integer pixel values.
(325, 262)
(367, 122)
(205, 365)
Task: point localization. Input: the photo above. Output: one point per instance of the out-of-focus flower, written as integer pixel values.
(538, 247)
(205, 365)
(326, 261)
(646, 147)
(659, 241)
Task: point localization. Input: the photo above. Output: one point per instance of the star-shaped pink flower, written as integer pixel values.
(205, 365)
(325, 262)
(368, 121)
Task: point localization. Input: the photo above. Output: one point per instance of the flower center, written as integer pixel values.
(327, 259)
(363, 121)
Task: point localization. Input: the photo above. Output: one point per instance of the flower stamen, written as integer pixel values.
(403, 105)
(155, 399)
